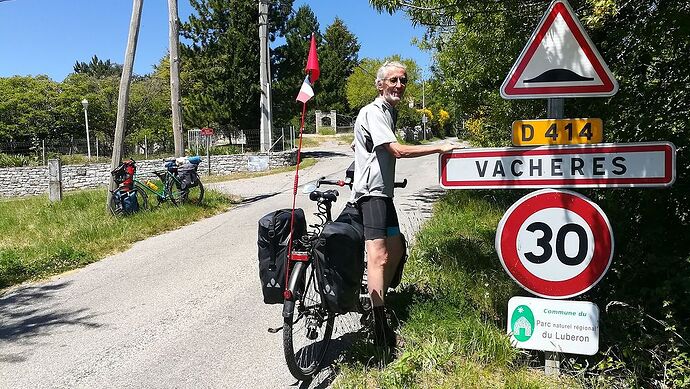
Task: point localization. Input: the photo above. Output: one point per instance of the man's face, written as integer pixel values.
(393, 86)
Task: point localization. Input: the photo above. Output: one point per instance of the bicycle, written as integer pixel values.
(179, 189)
(304, 301)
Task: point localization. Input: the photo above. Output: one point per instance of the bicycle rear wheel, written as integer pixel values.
(307, 329)
(193, 195)
(116, 204)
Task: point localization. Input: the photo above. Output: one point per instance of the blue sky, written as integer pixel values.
(49, 36)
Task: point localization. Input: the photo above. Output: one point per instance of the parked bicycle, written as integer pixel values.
(307, 317)
(179, 182)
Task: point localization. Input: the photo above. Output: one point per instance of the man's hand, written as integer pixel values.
(450, 146)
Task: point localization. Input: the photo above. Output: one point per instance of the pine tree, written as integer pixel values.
(338, 58)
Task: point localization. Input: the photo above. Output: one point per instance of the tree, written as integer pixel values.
(289, 61)
(338, 58)
(98, 68)
(361, 88)
(220, 73)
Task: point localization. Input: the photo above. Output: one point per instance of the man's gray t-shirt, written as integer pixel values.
(374, 165)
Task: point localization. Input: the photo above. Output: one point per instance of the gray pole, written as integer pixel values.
(123, 97)
(174, 42)
(424, 119)
(208, 153)
(264, 78)
(86, 120)
(552, 361)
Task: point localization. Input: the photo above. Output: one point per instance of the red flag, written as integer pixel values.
(313, 62)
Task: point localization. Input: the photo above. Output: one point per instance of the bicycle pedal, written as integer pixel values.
(274, 330)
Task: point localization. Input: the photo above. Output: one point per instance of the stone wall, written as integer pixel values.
(26, 181)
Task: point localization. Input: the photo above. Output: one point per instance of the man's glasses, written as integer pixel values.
(394, 80)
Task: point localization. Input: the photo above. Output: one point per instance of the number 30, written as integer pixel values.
(545, 243)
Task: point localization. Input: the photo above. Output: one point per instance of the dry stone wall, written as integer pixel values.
(27, 181)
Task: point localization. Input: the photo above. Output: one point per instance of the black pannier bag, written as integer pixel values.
(188, 176)
(273, 237)
(339, 255)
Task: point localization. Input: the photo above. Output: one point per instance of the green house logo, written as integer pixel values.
(522, 323)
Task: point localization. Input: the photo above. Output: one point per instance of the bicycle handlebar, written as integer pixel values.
(329, 195)
(324, 181)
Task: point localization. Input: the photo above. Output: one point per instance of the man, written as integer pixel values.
(376, 150)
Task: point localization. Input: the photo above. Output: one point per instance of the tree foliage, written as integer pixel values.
(221, 64)
(98, 68)
(289, 61)
(338, 56)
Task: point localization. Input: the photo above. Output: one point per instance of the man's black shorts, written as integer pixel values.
(379, 217)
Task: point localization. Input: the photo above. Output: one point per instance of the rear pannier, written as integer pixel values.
(273, 238)
(339, 255)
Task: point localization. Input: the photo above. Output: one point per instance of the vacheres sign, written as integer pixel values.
(584, 166)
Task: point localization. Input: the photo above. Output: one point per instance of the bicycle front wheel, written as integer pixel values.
(123, 203)
(173, 190)
(307, 329)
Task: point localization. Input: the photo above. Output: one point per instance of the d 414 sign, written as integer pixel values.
(557, 132)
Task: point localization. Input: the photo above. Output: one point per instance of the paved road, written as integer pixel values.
(182, 309)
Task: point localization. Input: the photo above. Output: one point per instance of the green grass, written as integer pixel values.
(40, 238)
(452, 308)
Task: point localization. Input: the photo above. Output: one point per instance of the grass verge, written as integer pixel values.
(452, 307)
(41, 238)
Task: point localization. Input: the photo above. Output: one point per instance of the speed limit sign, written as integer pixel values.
(555, 243)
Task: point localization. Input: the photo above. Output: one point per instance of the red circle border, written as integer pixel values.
(536, 201)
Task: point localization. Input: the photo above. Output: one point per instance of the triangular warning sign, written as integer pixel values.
(559, 60)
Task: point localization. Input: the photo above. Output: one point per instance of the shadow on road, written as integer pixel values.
(323, 154)
(249, 200)
(20, 322)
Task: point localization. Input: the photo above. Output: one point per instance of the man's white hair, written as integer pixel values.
(383, 70)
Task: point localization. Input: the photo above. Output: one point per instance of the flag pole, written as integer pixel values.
(312, 70)
(294, 199)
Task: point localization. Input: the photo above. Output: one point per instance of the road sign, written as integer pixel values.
(555, 244)
(557, 132)
(207, 131)
(603, 165)
(558, 326)
(559, 60)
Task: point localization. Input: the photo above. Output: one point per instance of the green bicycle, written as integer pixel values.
(180, 185)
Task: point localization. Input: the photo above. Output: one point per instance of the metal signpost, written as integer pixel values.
(208, 133)
(557, 244)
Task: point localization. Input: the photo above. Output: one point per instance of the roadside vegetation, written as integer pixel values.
(451, 308)
(41, 238)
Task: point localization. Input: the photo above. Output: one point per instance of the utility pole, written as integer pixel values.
(424, 118)
(174, 42)
(123, 97)
(264, 78)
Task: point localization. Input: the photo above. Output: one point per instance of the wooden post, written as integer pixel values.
(123, 97)
(174, 42)
(54, 180)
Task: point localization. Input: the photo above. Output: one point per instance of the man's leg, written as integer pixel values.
(377, 260)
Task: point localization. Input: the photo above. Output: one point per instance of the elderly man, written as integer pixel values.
(376, 150)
